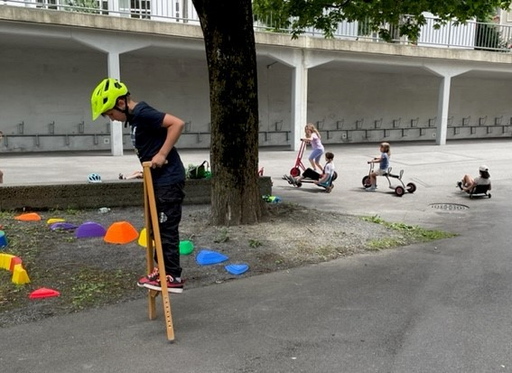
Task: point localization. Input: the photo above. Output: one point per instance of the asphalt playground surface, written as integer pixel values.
(437, 307)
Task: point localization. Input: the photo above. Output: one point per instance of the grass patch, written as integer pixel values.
(253, 243)
(407, 234)
(223, 235)
(90, 286)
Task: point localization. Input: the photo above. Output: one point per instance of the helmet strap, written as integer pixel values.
(126, 112)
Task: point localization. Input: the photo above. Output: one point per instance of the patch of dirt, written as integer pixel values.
(91, 273)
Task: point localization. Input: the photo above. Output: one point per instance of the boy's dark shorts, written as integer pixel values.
(311, 174)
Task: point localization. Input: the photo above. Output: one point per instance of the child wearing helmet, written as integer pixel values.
(154, 135)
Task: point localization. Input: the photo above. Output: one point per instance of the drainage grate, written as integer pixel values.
(448, 206)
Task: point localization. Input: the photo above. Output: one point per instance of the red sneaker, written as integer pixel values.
(152, 277)
(173, 285)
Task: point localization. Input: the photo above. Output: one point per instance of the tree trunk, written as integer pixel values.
(231, 56)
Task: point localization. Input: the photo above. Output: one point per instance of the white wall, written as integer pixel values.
(170, 84)
(351, 96)
(42, 85)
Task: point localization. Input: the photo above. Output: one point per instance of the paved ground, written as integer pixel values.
(437, 307)
(434, 169)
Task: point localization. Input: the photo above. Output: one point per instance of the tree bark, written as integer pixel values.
(231, 56)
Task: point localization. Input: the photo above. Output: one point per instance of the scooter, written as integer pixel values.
(399, 189)
(311, 176)
(295, 171)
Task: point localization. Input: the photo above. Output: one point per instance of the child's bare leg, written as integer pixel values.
(373, 179)
(467, 180)
(319, 166)
(135, 175)
(313, 165)
(373, 182)
(369, 183)
(297, 181)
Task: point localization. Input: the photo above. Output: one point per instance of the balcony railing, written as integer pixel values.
(471, 35)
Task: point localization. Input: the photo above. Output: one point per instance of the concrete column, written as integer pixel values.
(116, 128)
(113, 46)
(300, 61)
(299, 108)
(446, 72)
(442, 110)
(298, 111)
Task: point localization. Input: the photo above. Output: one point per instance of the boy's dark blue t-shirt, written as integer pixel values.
(148, 136)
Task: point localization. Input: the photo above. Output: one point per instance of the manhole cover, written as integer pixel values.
(448, 206)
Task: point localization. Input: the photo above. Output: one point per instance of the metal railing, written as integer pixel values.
(471, 35)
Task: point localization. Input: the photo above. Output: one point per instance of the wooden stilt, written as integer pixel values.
(153, 233)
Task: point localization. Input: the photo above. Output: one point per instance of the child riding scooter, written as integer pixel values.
(324, 180)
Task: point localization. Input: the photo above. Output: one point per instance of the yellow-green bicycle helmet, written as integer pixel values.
(105, 95)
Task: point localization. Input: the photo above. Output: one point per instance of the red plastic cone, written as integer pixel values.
(43, 293)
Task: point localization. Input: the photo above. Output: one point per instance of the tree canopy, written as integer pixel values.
(382, 16)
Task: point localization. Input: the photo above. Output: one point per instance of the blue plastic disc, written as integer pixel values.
(237, 269)
(205, 257)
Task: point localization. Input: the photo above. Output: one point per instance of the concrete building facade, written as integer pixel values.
(355, 91)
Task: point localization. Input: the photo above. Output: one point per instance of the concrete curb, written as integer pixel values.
(94, 195)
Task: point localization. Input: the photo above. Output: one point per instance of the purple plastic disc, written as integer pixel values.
(90, 229)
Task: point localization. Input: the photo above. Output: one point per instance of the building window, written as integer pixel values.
(47, 4)
(140, 9)
(103, 6)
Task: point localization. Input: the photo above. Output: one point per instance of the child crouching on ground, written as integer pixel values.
(328, 174)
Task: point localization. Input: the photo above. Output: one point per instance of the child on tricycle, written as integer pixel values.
(383, 160)
(370, 180)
